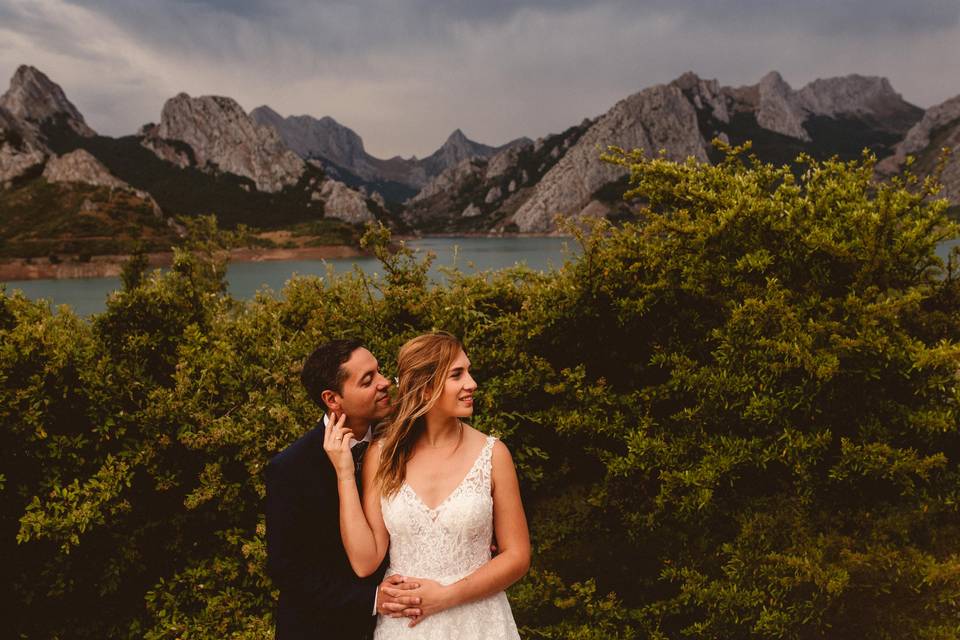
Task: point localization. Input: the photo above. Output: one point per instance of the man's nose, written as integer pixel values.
(383, 383)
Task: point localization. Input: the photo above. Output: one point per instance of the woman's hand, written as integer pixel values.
(336, 442)
(434, 598)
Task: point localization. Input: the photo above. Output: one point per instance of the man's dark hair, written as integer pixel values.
(324, 370)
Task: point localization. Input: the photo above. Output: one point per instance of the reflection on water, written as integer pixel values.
(88, 295)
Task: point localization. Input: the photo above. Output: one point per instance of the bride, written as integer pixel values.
(435, 492)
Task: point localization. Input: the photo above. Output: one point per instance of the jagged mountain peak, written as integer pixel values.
(773, 78)
(458, 136)
(34, 97)
(265, 111)
(311, 137)
(223, 137)
(459, 144)
(852, 94)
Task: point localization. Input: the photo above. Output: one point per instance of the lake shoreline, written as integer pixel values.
(106, 266)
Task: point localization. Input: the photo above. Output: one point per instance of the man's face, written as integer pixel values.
(365, 396)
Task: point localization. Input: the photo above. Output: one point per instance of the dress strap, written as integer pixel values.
(486, 461)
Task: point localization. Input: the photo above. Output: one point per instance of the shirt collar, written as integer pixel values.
(367, 437)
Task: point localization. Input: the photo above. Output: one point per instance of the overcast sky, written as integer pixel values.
(405, 73)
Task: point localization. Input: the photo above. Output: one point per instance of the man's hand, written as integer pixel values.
(393, 602)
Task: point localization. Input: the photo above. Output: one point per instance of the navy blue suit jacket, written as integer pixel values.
(320, 595)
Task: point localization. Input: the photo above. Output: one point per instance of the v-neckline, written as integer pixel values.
(459, 484)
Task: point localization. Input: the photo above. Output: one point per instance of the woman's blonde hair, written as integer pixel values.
(422, 367)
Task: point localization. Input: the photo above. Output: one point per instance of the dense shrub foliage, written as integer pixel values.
(733, 418)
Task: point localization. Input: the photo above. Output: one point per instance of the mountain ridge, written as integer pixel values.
(266, 169)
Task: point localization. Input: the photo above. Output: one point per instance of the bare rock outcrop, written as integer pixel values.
(851, 95)
(20, 151)
(310, 137)
(452, 178)
(340, 201)
(656, 118)
(80, 166)
(35, 99)
(503, 161)
(704, 94)
(457, 148)
(939, 128)
(326, 139)
(223, 137)
(778, 108)
(919, 137)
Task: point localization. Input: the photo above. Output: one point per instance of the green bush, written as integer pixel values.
(734, 418)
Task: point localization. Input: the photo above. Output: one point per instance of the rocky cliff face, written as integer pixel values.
(20, 151)
(36, 100)
(481, 194)
(779, 108)
(310, 137)
(453, 151)
(939, 128)
(340, 148)
(340, 201)
(223, 137)
(513, 192)
(80, 166)
(660, 117)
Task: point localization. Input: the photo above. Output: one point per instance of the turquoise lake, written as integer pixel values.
(88, 295)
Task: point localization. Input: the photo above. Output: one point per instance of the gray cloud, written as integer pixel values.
(404, 73)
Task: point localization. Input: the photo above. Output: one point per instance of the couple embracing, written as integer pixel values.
(401, 488)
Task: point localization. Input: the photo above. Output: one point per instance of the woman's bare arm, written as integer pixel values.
(365, 537)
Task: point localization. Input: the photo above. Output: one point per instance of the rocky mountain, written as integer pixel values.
(481, 194)
(833, 116)
(81, 166)
(343, 155)
(30, 106)
(222, 137)
(310, 137)
(660, 117)
(206, 155)
(939, 128)
(37, 101)
(455, 149)
(341, 152)
(20, 151)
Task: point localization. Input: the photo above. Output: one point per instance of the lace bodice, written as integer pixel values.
(450, 541)
(445, 544)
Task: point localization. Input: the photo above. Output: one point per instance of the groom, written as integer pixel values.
(320, 596)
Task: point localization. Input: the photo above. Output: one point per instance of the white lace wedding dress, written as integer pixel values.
(445, 544)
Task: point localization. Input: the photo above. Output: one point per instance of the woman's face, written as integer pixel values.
(458, 387)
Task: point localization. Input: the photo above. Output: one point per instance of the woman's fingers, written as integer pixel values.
(401, 603)
(400, 595)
